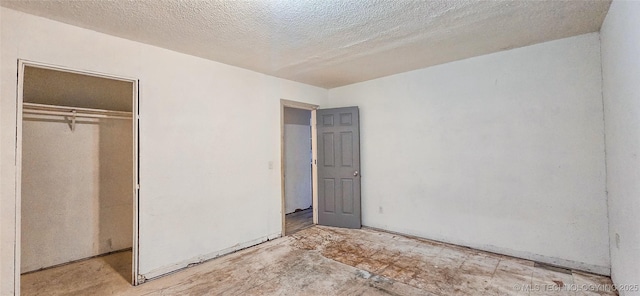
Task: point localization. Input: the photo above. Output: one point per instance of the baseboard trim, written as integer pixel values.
(163, 271)
(559, 262)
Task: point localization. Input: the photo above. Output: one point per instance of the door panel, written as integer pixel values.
(339, 167)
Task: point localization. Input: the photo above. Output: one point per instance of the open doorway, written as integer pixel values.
(77, 164)
(297, 169)
(297, 166)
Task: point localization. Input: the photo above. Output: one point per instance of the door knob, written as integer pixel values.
(355, 174)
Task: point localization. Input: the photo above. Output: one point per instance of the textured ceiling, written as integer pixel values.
(329, 43)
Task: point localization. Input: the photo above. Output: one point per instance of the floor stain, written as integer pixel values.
(321, 261)
(431, 266)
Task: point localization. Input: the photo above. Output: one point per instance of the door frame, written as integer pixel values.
(22, 63)
(314, 156)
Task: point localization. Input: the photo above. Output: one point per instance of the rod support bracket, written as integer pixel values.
(72, 124)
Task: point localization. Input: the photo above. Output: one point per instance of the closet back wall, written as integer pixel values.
(76, 198)
(77, 186)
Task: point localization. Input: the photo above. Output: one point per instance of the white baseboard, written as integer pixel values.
(204, 258)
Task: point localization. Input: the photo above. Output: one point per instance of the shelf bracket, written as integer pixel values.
(72, 124)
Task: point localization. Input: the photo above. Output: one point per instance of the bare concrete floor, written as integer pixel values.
(326, 261)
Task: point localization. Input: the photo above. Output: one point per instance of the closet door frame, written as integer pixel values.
(135, 280)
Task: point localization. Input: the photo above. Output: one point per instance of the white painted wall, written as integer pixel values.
(208, 132)
(503, 152)
(6, 212)
(297, 156)
(621, 78)
(77, 189)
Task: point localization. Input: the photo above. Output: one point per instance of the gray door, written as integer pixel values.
(338, 167)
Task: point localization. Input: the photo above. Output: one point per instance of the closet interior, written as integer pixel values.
(77, 188)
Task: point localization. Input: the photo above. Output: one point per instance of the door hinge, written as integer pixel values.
(138, 186)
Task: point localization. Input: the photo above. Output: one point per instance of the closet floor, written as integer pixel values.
(327, 261)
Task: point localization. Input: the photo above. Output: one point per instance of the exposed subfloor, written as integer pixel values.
(297, 221)
(325, 261)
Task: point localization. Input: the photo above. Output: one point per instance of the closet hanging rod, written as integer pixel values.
(82, 115)
(33, 108)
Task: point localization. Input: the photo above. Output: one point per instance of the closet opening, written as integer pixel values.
(77, 170)
(297, 166)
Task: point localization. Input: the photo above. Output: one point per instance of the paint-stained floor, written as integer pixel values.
(327, 261)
